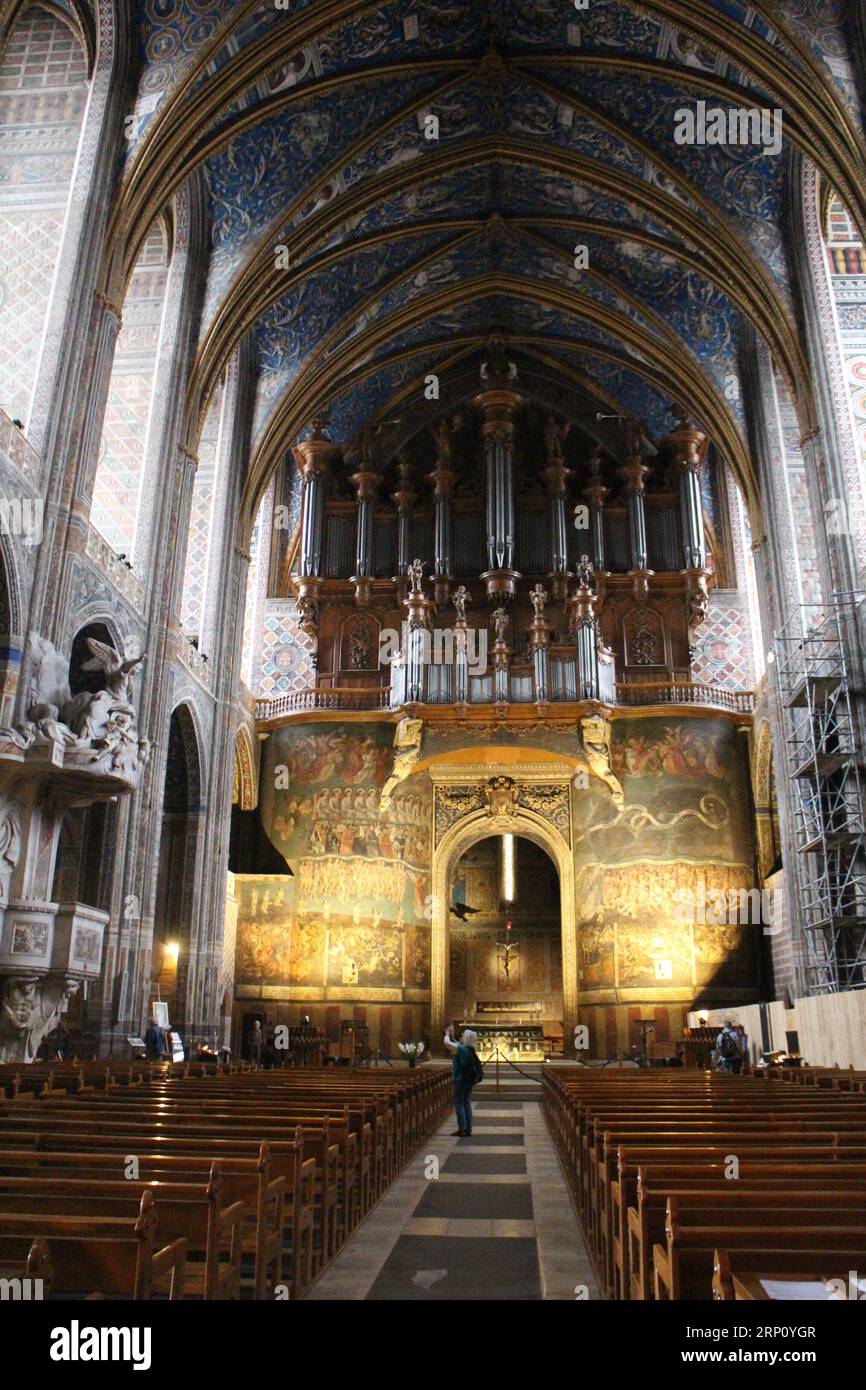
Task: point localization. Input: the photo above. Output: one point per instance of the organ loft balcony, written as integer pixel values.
(502, 558)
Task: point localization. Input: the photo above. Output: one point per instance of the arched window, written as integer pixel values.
(178, 851)
(117, 488)
(201, 536)
(43, 86)
(256, 595)
(10, 637)
(846, 268)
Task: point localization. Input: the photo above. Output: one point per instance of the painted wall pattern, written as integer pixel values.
(118, 484)
(682, 836)
(354, 920)
(44, 91)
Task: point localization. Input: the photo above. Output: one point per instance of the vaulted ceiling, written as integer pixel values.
(555, 129)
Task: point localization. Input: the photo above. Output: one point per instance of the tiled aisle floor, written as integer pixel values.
(497, 1223)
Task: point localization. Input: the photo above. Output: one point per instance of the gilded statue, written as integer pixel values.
(407, 750)
(596, 750)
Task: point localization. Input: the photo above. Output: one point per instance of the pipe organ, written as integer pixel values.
(558, 568)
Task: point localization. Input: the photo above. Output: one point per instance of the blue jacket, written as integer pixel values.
(459, 1061)
(154, 1040)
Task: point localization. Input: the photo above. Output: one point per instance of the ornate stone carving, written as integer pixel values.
(415, 575)
(460, 598)
(95, 731)
(501, 793)
(407, 750)
(453, 803)
(550, 801)
(30, 1008)
(10, 842)
(596, 750)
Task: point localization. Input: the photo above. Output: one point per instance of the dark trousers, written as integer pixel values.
(463, 1104)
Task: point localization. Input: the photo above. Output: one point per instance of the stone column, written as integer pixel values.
(204, 976)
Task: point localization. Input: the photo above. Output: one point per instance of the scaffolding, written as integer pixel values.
(824, 760)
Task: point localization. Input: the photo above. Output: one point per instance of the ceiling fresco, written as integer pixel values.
(555, 129)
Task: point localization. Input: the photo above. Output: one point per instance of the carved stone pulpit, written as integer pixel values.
(68, 752)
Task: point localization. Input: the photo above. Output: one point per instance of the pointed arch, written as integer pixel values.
(245, 794)
(44, 79)
(476, 826)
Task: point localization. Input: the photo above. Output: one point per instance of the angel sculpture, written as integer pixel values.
(415, 573)
(538, 599)
(88, 714)
(460, 598)
(500, 624)
(442, 437)
(584, 573)
(48, 689)
(554, 437)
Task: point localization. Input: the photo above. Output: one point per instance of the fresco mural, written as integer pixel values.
(650, 873)
(352, 923)
(350, 928)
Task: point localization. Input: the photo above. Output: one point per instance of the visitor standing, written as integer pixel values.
(466, 1072)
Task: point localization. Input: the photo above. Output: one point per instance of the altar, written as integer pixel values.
(514, 1028)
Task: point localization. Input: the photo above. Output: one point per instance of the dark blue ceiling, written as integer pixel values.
(549, 137)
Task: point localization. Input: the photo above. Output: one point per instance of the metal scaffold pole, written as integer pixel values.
(824, 765)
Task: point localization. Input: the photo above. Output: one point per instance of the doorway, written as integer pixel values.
(505, 946)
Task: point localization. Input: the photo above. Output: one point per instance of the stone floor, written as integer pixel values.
(486, 1217)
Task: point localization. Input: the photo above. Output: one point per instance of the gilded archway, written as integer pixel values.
(244, 790)
(501, 815)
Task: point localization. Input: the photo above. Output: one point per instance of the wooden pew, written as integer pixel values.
(683, 1267)
(355, 1133)
(818, 1265)
(686, 1121)
(35, 1273)
(111, 1256)
(191, 1211)
(743, 1201)
(55, 1134)
(258, 1183)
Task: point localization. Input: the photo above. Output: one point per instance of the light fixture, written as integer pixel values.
(508, 882)
(172, 949)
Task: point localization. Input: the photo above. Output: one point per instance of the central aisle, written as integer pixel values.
(497, 1222)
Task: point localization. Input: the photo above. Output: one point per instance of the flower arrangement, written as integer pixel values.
(412, 1050)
